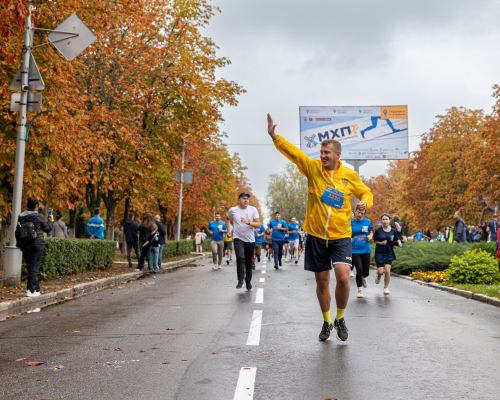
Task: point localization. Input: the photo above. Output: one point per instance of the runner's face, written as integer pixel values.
(294, 220)
(277, 216)
(385, 221)
(329, 156)
(358, 215)
(217, 217)
(243, 201)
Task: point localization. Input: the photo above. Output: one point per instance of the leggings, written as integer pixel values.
(362, 264)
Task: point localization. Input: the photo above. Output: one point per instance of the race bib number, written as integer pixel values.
(333, 198)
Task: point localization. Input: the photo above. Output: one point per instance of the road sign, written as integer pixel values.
(34, 102)
(188, 177)
(71, 37)
(35, 81)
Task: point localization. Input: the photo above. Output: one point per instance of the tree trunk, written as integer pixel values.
(110, 203)
(127, 209)
(80, 229)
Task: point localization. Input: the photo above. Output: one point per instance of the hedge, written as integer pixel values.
(424, 256)
(176, 247)
(62, 257)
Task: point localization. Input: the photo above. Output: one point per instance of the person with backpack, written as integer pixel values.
(150, 247)
(29, 238)
(492, 229)
(144, 233)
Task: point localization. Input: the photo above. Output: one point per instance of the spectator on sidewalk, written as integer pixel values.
(460, 227)
(450, 240)
(447, 234)
(120, 239)
(484, 232)
(476, 234)
(95, 226)
(198, 239)
(131, 230)
(32, 248)
(498, 249)
(150, 249)
(428, 235)
(492, 229)
(145, 232)
(60, 229)
(162, 237)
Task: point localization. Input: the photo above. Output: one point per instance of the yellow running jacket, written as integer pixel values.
(322, 220)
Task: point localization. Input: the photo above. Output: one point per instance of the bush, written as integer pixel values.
(185, 246)
(169, 248)
(424, 256)
(63, 257)
(206, 245)
(177, 247)
(488, 247)
(476, 267)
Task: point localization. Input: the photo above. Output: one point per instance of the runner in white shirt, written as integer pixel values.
(245, 218)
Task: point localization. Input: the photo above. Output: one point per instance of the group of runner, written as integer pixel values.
(335, 240)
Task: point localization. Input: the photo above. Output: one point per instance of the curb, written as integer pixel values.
(29, 303)
(463, 293)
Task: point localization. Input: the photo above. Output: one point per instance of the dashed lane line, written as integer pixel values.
(260, 296)
(261, 280)
(254, 332)
(246, 384)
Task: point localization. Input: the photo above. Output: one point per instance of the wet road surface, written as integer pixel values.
(189, 334)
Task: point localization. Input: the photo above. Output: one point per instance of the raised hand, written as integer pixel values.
(271, 127)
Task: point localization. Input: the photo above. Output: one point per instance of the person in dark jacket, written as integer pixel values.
(145, 232)
(33, 250)
(460, 227)
(150, 246)
(131, 230)
(162, 234)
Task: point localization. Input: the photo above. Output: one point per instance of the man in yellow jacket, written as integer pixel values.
(327, 222)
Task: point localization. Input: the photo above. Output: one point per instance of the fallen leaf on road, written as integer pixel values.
(33, 363)
(98, 299)
(107, 348)
(61, 298)
(166, 363)
(142, 351)
(265, 352)
(214, 353)
(305, 283)
(38, 379)
(471, 313)
(183, 360)
(155, 348)
(170, 329)
(10, 317)
(118, 349)
(246, 368)
(57, 315)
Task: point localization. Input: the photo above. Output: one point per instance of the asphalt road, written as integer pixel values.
(189, 334)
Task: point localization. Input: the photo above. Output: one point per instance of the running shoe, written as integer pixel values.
(325, 331)
(365, 283)
(239, 285)
(360, 293)
(227, 262)
(377, 279)
(386, 291)
(258, 259)
(213, 266)
(249, 286)
(296, 261)
(220, 266)
(29, 293)
(341, 329)
(352, 273)
(276, 267)
(280, 264)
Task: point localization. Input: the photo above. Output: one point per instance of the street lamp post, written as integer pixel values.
(179, 211)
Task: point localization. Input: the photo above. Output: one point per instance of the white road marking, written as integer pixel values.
(260, 296)
(263, 271)
(254, 333)
(246, 384)
(262, 280)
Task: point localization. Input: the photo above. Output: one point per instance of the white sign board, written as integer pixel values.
(365, 133)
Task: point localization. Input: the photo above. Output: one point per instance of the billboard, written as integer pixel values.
(365, 133)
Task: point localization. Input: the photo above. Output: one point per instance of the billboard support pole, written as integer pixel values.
(356, 164)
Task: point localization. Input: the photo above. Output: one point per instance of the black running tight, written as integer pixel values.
(362, 264)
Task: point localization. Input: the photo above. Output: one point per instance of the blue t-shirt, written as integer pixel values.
(293, 227)
(385, 253)
(360, 231)
(217, 235)
(493, 225)
(277, 234)
(261, 239)
(419, 236)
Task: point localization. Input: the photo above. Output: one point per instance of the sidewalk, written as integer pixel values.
(27, 304)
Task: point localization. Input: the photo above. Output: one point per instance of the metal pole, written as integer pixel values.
(179, 211)
(356, 164)
(13, 256)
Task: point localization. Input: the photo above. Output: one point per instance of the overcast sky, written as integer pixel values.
(427, 54)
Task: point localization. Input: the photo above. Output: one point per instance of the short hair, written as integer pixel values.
(386, 215)
(32, 203)
(96, 211)
(459, 213)
(131, 215)
(336, 144)
(217, 213)
(277, 212)
(395, 218)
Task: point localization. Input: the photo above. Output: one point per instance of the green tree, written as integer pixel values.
(287, 193)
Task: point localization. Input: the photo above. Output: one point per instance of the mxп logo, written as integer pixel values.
(339, 133)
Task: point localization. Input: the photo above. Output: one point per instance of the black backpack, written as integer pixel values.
(25, 230)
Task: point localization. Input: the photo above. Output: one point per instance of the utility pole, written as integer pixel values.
(13, 257)
(356, 164)
(179, 211)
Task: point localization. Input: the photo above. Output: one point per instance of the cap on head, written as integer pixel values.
(243, 194)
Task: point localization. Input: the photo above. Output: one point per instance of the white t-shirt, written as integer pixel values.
(243, 231)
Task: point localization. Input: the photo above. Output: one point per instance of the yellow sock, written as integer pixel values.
(340, 314)
(326, 317)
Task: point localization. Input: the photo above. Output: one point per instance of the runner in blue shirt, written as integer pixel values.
(279, 228)
(217, 228)
(293, 229)
(362, 233)
(419, 236)
(385, 239)
(259, 241)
